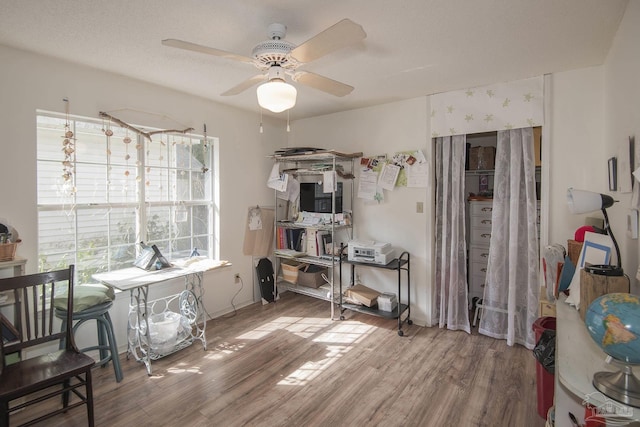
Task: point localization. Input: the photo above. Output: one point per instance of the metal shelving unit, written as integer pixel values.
(307, 166)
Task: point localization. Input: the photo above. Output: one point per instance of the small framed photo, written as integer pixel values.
(613, 174)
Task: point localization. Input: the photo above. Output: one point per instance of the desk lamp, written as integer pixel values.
(581, 201)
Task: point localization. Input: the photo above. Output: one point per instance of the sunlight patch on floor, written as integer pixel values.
(183, 368)
(301, 326)
(338, 336)
(266, 328)
(224, 349)
(311, 369)
(340, 339)
(345, 332)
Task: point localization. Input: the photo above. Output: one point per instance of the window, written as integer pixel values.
(122, 189)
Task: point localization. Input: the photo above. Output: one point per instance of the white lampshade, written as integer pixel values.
(581, 201)
(276, 95)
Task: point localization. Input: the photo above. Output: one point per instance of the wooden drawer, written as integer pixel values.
(480, 236)
(476, 286)
(479, 221)
(483, 209)
(480, 255)
(478, 269)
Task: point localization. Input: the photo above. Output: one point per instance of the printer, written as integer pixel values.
(370, 251)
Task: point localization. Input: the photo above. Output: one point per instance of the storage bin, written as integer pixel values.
(481, 158)
(163, 327)
(290, 271)
(311, 276)
(593, 286)
(387, 302)
(8, 251)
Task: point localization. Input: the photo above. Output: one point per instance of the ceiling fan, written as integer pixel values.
(277, 58)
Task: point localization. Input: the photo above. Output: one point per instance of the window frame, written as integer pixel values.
(177, 177)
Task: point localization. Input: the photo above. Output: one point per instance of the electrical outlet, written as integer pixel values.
(236, 277)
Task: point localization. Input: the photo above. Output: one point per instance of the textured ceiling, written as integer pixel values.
(413, 47)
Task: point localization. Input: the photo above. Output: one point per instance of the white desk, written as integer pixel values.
(578, 357)
(189, 304)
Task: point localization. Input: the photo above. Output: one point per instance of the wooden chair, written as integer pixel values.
(37, 377)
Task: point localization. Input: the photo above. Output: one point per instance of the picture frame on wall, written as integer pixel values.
(613, 174)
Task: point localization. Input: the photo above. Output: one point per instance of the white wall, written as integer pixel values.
(29, 82)
(577, 152)
(385, 129)
(594, 111)
(622, 119)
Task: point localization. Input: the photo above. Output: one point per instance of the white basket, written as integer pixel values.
(163, 327)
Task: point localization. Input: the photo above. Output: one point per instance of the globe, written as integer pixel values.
(613, 321)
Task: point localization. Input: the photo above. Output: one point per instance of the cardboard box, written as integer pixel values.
(290, 270)
(547, 308)
(593, 286)
(311, 276)
(481, 158)
(573, 251)
(363, 295)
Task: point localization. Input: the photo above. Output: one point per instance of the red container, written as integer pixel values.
(544, 380)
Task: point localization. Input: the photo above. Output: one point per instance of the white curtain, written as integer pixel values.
(511, 294)
(451, 268)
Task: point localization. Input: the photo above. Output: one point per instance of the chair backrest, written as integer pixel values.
(33, 317)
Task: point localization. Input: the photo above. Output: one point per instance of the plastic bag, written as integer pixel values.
(545, 350)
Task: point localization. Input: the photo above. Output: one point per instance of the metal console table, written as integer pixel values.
(188, 302)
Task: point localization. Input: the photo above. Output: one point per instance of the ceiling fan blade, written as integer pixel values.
(322, 83)
(245, 85)
(342, 34)
(204, 49)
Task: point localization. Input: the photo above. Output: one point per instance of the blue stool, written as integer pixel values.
(106, 338)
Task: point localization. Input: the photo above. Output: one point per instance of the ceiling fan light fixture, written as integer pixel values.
(276, 95)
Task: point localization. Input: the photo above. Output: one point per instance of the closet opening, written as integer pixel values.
(499, 203)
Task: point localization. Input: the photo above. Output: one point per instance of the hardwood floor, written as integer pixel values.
(288, 364)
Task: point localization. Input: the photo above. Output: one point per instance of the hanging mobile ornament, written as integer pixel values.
(204, 166)
(68, 146)
(161, 158)
(182, 172)
(109, 132)
(205, 146)
(147, 182)
(126, 141)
